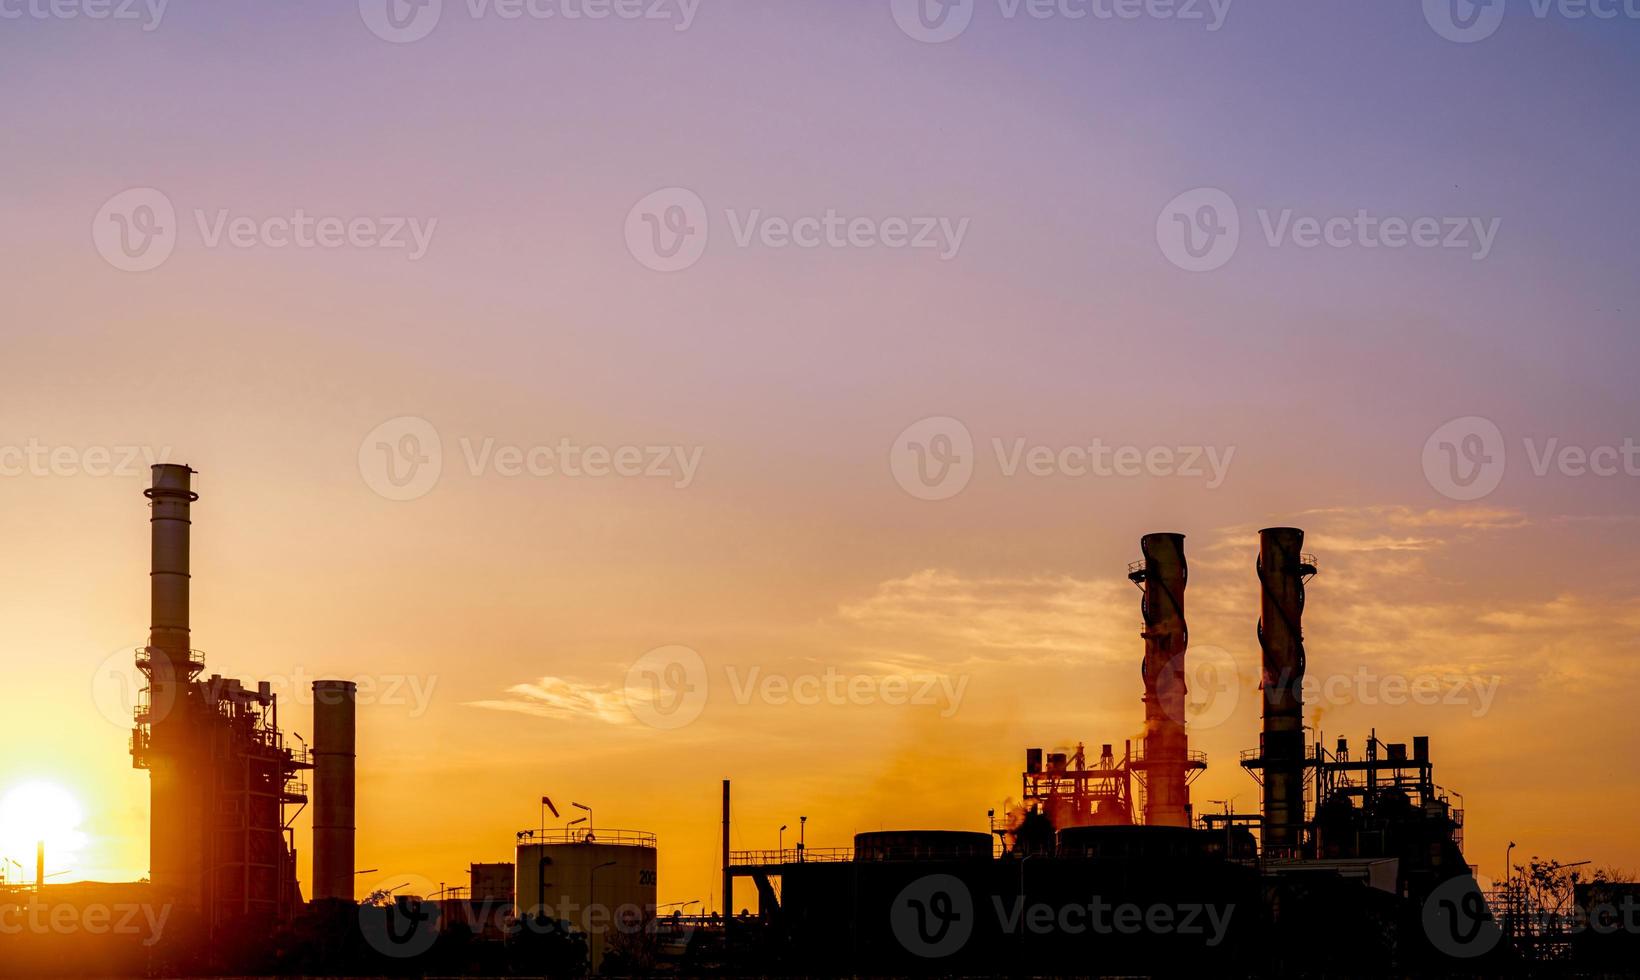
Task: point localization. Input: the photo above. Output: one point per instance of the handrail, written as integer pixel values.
(812, 855)
(597, 835)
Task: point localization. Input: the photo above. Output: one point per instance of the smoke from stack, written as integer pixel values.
(1166, 744)
(1282, 570)
(334, 721)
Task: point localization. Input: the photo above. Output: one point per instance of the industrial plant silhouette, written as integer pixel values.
(1352, 863)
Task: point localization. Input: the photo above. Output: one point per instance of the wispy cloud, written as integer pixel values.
(562, 699)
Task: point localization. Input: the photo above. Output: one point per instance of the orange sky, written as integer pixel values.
(506, 611)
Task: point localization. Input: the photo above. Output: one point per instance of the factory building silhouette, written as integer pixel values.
(1352, 862)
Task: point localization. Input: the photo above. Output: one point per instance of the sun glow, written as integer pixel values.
(39, 811)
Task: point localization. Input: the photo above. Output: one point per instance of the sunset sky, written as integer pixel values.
(493, 619)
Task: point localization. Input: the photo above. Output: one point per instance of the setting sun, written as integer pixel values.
(39, 811)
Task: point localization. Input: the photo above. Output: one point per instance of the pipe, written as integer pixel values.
(728, 876)
(1167, 637)
(171, 498)
(334, 742)
(177, 756)
(1282, 571)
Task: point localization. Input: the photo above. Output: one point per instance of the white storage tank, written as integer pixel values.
(601, 882)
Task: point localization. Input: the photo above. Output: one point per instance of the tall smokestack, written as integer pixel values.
(1166, 750)
(334, 719)
(178, 837)
(171, 499)
(1282, 571)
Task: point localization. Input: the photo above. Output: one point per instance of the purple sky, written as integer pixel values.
(1061, 318)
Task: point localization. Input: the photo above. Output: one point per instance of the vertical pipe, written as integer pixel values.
(179, 750)
(728, 878)
(1281, 574)
(1167, 797)
(334, 735)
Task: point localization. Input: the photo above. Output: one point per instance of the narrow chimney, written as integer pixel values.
(334, 721)
(1166, 751)
(178, 835)
(171, 500)
(1282, 572)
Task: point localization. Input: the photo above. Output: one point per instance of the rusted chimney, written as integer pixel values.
(334, 721)
(1166, 749)
(1283, 568)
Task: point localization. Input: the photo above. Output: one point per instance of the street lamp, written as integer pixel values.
(588, 809)
(782, 847)
(572, 823)
(802, 838)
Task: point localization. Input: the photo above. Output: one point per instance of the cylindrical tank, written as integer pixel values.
(334, 721)
(603, 884)
(923, 845)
